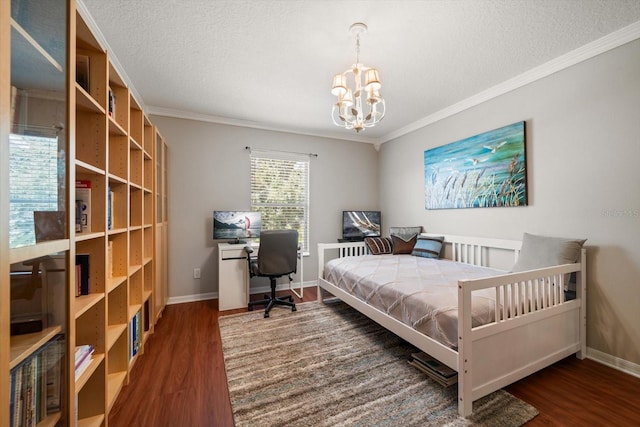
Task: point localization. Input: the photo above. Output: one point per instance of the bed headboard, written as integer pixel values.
(474, 250)
(465, 249)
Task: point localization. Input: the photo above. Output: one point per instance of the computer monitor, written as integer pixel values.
(356, 225)
(236, 225)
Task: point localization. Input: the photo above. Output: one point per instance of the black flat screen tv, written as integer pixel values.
(356, 225)
(236, 225)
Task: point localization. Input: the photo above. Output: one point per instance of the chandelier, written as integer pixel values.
(354, 97)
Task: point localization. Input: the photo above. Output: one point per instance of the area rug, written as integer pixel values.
(328, 365)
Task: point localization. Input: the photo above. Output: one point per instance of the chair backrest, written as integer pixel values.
(278, 253)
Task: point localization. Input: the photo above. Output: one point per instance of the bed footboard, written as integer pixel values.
(534, 327)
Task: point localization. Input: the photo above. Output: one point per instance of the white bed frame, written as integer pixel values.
(524, 339)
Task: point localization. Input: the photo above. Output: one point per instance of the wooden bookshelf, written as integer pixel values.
(118, 142)
(34, 266)
(107, 140)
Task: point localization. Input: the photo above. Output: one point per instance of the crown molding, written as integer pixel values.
(189, 115)
(588, 51)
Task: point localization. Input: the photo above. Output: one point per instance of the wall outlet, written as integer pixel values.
(196, 273)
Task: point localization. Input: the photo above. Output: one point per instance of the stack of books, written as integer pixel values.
(440, 373)
(84, 354)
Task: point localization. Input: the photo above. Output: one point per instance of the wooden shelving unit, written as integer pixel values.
(110, 142)
(34, 262)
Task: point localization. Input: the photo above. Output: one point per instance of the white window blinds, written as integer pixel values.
(36, 180)
(280, 192)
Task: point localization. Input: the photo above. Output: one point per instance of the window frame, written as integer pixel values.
(304, 195)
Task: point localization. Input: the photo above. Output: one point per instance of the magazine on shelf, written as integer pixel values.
(439, 372)
(83, 357)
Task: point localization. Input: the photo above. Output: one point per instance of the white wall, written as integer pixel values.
(209, 169)
(583, 161)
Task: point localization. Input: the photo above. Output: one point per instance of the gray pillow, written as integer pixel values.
(406, 233)
(541, 251)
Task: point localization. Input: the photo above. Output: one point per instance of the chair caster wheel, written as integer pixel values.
(266, 315)
(250, 308)
(294, 309)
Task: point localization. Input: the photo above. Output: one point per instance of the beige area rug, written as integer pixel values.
(328, 365)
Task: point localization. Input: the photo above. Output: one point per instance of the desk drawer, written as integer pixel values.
(234, 254)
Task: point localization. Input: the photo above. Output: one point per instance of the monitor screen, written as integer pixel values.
(357, 225)
(236, 225)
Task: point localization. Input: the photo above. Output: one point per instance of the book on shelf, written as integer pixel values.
(36, 385)
(52, 367)
(145, 316)
(83, 269)
(111, 103)
(83, 206)
(109, 208)
(135, 334)
(436, 370)
(138, 331)
(78, 207)
(82, 71)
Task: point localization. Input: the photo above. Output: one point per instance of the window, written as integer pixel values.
(36, 176)
(280, 192)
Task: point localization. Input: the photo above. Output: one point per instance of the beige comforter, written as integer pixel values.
(420, 292)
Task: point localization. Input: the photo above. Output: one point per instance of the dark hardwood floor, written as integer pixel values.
(180, 381)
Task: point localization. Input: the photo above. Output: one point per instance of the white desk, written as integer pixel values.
(233, 276)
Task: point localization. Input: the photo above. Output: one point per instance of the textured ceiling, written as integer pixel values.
(269, 63)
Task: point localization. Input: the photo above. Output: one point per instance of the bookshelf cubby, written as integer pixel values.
(118, 156)
(109, 144)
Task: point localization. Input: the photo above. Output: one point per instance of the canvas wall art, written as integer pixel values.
(482, 171)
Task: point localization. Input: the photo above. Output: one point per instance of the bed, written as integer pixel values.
(493, 327)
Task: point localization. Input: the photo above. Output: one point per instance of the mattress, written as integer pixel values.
(420, 292)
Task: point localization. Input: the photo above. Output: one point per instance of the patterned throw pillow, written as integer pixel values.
(378, 245)
(403, 244)
(428, 246)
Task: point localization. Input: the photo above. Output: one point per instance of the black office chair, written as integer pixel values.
(277, 257)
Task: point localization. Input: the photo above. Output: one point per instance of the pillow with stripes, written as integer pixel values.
(378, 245)
(428, 246)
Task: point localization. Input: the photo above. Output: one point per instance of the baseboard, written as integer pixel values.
(192, 298)
(614, 362)
(213, 295)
